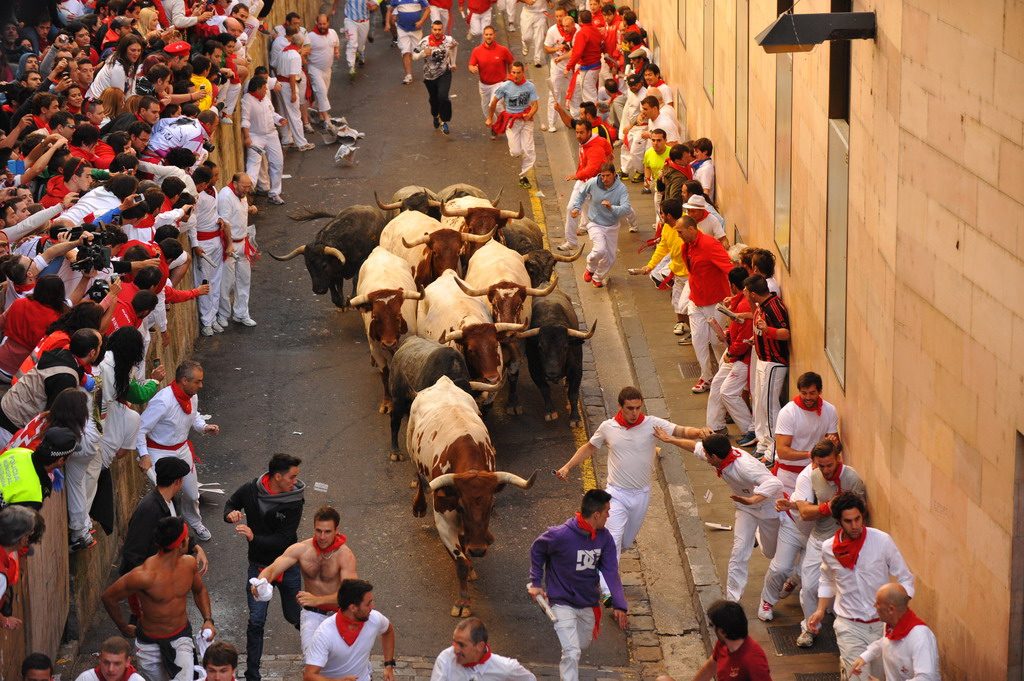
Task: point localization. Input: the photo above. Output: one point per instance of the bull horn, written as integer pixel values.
(512, 214)
(509, 479)
(358, 300)
(412, 295)
(541, 292)
(294, 254)
(576, 333)
(497, 198)
(418, 242)
(434, 203)
(332, 251)
(458, 213)
(386, 206)
(478, 238)
(474, 292)
(446, 480)
(450, 335)
(502, 327)
(482, 387)
(528, 334)
(567, 258)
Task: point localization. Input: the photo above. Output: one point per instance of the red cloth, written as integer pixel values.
(480, 6)
(56, 190)
(505, 120)
(684, 168)
(26, 320)
(128, 671)
(84, 154)
(587, 45)
(747, 663)
(585, 526)
(739, 331)
(9, 567)
(493, 61)
(124, 315)
(593, 153)
(345, 628)
(184, 401)
(443, 4)
(816, 408)
(104, 155)
(339, 541)
(848, 550)
(31, 434)
(182, 538)
(726, 462)
(899, 631)
(55, 341)
(709, 264)
(483, 658)
(176, 295)
(621, 420)
(40, 123)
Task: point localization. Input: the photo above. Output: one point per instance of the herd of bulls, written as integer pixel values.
(453, 292)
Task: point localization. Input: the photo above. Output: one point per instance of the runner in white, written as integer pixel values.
(343, 642)
(908, 651)
(469, 658)
(357, 30)
(558, 45)
(533, 22)
(519, 101)
(409, 17)
(324, 50)
(260, 124)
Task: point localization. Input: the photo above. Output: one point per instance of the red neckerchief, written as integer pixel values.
(848, 550)
(835, 480)
(231, 185)
(483, 658)
(566, 37)
(726, 462)
(621, 420)
(684, 169)
(139, 119)
(73, 109)
(435, 43)
(899, 631)
(661, 81)
(344, 628)
(265, 481)
(128, 671)
(816, 408)
(184, 401)
(167, 205)
(9, 567)
(321, 32)
(258, 97)
(24, 288)
(40, 123)
(585, 526)
(293, 46)
(518, 82)
(339, 541)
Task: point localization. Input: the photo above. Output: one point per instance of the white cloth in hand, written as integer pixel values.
(264, 590)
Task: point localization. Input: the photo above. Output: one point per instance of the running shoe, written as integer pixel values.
(437, 122)
(445, 129)
(765, 612)
(407, 79)
(588, 276)
(748, 439)
(524, 182)
(699, 387)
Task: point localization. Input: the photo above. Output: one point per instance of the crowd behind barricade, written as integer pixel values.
(108, 118)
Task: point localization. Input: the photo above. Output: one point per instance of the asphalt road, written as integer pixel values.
(301, 382)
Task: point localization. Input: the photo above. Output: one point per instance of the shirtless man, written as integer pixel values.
(162, 583)
(324, 561)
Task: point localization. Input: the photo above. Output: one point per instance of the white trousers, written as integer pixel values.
(787, 556)
(308, 622)
(558, 84)
(478, 22)
(853, 638)
(236, 278)
(520, 143)
(80, 474)
(486, 92)
(213, 274)
(274, 157)
(768, 380)
(151, 664)
(120, 431)
(229, 94)
(355, 41)
(190, 484)
(727, 396)
(810, 576)
(631, 158)
(575, 629)
(533, 26)
(604, 247)
(293, 131)
(509, 8)
(680, 288)
(572, 223)
(628, 508)
(442, 15)
(705, 341)
(744, 527)
(585, 90)
(320, 81)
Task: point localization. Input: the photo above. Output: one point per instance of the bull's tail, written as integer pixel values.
(304, 214)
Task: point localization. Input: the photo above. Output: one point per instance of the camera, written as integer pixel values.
(98, 290)
(95, 255)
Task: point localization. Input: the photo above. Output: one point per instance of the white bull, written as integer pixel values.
(428, 245)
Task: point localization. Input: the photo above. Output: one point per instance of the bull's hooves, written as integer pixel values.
(419, 512)
(395, 456)
(575, 423)
(413, 484)
(461, 611)
(473, 576)
(552, 416)
(514, 411)
(385, 408)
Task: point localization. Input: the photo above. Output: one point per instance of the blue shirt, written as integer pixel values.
(617, 195)
(517, 98)
(356, 10)
(408, 12)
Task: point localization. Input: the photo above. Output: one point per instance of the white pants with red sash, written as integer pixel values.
(787, 557)
(520, 144)
(190, 484)
(272, 154)
(237, 279)
(210, 242)
(765, 523)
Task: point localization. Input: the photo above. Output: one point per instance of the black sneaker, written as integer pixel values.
(82, 543)
(445, 129)
(437, 122)
(524, 182)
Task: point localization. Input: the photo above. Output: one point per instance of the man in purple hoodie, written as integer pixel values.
(567, 559)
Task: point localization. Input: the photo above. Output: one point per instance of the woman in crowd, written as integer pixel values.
(24, 324)
(120, 69)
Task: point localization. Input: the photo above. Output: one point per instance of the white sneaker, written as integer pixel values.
(634, 229)
(679, 329)
(226, 120)
(805, 639)
(202, 533)
(307, 128)
(219, 325)
(307, 146)
(207, 331)
(565, 247)
(526, 50)
(275, 199)
(407, 79)
(765, 612)
(551, 128)
(247, 321)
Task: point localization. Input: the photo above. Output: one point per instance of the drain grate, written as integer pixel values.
(784, 638)
(689, 370)
(819, 676)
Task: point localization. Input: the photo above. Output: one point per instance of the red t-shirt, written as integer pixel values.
(493, 62)
(748, 663)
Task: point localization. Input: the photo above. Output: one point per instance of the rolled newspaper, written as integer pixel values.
(542, 603)
(264, 590)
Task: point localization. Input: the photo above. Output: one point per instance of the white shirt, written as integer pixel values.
(631, 108)
(711, 226)
(667, 122)
(667, 96)
(175, 10)
(706, 176)
(234, 211)
(630, 451)
(915, 657)
(205, 214)
(336, 658)
(109, 74)
(854, 590)
(496, 668)
(807, 429)
(289, 64)
(97, 201)
(552, 38)
(161, 172)
(322, 47)
(90, 675)
(258, 116)
(164, 421)
(802, 490)
(747, 476)
(183, 131)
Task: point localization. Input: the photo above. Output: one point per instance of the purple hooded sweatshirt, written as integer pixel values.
(565, 560)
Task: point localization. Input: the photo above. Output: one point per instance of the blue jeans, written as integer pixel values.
(289, 586)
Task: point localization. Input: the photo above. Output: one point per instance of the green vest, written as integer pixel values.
(19, 482)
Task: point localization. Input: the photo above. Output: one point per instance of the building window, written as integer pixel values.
(681, 20)
(742, 81)
(783, 152)
(709, 49)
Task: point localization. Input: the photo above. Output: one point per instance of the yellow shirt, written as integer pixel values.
(655, 161)
(670, 244)
(207, 101)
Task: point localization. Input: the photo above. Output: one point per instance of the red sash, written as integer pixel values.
(505, 120)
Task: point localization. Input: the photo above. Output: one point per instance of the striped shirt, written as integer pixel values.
(356, 10)
(776, 316)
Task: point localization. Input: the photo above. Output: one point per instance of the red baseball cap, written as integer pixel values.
(178, 47)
